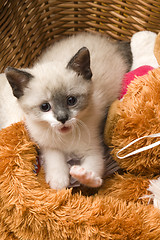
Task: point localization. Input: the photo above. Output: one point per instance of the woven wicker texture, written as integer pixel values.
(27, 26)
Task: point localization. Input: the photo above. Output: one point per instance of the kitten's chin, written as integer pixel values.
(65, 129)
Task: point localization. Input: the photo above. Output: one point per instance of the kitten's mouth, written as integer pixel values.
(65, 129)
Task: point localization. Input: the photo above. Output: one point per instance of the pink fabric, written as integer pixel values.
(131, 75)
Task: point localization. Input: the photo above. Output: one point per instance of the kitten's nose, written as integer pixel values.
(62, 119)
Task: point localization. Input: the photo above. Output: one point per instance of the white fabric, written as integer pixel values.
(142, 47)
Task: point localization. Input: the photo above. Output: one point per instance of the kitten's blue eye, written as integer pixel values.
(71, 101)
(45, 107)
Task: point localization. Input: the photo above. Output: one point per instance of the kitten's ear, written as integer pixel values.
(18, 80)
(80, 63)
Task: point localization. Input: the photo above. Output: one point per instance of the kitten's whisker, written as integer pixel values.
(71, 123)
(79, 132)
(73, 134)
(55, 124)
(83, 125)
(75, 131)
(59, 136)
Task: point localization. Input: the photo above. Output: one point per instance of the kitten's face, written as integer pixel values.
(55, 95)
(56, 98)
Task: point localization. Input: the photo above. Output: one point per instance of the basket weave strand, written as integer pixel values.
(27, 27)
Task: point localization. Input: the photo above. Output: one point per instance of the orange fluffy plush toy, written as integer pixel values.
(122, 209)
(30, 210)
(132, 130)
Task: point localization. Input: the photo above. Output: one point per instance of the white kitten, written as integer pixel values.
(64, 105)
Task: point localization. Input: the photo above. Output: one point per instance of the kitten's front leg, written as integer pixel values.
(56, 169)
(90, 172)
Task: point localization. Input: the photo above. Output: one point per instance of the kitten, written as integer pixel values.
(64, 105)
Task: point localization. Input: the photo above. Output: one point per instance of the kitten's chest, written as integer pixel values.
(71, 145)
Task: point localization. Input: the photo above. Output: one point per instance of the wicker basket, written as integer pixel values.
(29, 211)
(27, 26)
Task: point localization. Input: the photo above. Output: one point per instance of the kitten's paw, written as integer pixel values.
(57, 181)
(85, 177)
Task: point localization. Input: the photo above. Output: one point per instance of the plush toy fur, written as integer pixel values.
(30, 210)
(137, 115)
(124, 124)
